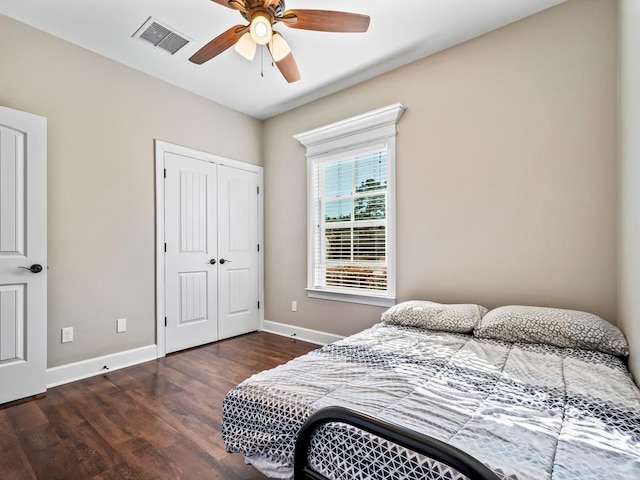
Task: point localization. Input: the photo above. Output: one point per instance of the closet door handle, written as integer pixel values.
(35, 268)
(223, 261)
(212, 261)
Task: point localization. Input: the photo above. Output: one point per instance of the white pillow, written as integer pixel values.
(552, 326)
(459, 318)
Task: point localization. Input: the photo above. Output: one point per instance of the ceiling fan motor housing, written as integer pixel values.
(254, 6)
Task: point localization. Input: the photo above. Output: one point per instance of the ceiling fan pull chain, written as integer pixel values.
(271, 50)
(262, 62)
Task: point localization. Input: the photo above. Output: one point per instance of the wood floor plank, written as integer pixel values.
(112, 474)
(151, 463)
(83, 448)
(26, 416)
(207, 368)
(157, 420)
(15, 464)
(190, 426)
(194, 463)
(236, 463)
(57, 408)
(48, 455)
(195, 397)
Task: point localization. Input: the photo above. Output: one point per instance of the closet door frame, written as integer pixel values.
(161, 148)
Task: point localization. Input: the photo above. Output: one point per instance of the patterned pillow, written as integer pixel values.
(553, 326)
(435, 316)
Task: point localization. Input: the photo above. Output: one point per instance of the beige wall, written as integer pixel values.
(102, 120)
(629, 295)
(506, 176)
(506, 173)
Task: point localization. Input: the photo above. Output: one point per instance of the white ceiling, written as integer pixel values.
(401, 32)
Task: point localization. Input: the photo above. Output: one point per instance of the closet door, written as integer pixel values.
(191, 280)
(238, 252)
(209, 220)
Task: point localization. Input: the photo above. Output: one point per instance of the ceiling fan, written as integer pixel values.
(262, 15)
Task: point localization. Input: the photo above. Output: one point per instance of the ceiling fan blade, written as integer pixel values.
(268, 3)
(289, 69)
(219, 44)
(224, 3)
(237, 5)
(233, 4)
(281, 54)
(325, 20)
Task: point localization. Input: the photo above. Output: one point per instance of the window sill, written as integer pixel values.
(377, 301)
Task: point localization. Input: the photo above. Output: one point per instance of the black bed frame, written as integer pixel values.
(414, 441)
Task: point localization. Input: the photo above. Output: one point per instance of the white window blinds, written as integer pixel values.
(350, 203)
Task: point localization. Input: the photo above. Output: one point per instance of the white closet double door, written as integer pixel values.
(211, 251)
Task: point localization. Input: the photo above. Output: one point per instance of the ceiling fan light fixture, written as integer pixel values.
(279, 47)
(260, 29)
(262, 15)
(246, 46)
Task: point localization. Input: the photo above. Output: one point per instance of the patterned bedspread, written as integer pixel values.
(526, 411)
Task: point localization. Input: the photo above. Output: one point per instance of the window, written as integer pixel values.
(350, 222)
(351, 208)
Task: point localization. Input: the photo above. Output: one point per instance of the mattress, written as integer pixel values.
(527, 411)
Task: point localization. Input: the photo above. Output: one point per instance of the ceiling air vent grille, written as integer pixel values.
(161, 36)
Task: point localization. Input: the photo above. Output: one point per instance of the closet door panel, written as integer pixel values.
(238, 278)
(191, 245)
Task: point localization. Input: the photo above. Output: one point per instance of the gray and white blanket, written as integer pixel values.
(526, 411)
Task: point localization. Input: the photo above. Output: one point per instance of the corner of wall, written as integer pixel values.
(629, 178)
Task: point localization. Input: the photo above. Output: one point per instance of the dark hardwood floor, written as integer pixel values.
(156, 420)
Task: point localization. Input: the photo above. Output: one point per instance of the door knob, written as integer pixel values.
(212, 261)
(35, 268)
(223, 261)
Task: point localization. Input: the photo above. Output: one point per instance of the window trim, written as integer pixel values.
(338, 140)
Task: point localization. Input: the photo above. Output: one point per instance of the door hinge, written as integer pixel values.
(258, 304)
(165, 321)
(165, 173)
(258, 188)
(258, 247)
(165, 248)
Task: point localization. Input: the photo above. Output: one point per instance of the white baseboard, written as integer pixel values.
(304, 334)
(95, 366)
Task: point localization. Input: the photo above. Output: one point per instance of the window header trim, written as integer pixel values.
(377, 125)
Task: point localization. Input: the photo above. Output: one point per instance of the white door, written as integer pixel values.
(23, 245)
(238, 252)
(190, 259)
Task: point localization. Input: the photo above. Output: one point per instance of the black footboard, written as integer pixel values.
(414, 441)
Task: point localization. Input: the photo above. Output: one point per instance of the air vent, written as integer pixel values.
(161, 36)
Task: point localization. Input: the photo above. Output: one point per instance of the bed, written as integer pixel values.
(530, 393)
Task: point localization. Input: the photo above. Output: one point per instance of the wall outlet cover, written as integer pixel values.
(67, 334)
(121, 325)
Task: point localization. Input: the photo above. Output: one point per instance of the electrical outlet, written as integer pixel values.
(294, 306)
(67, 335)
(121, 325)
